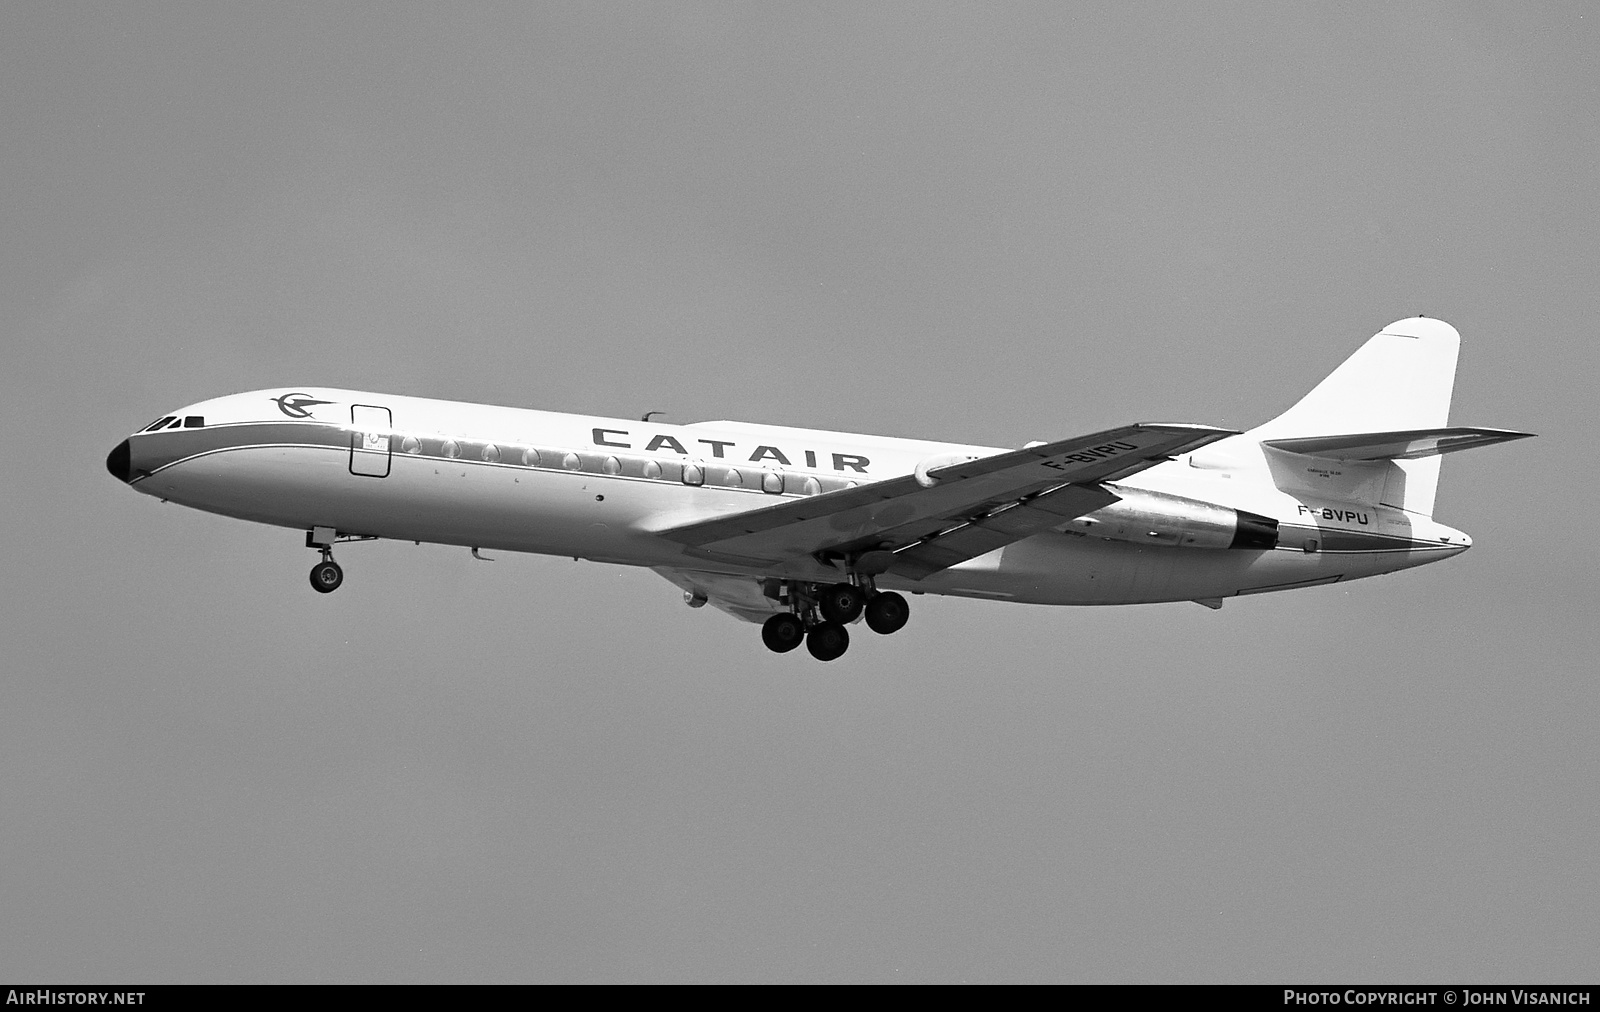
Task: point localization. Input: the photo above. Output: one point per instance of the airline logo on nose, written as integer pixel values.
(295, 405)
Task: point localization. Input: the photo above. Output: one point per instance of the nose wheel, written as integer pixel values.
(326, 575)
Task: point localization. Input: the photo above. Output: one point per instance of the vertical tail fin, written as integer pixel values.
(1401, 379)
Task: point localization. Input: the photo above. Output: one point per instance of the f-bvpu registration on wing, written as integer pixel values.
(807, 531)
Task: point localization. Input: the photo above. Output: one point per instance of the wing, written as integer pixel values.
(947, 514)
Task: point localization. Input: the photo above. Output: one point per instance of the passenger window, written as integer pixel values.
(411, 444)
(571, 462)
(652, 469)
(810, 487)
(611, 465)
(734, 478)
(693, 475)
(530, 457)
(451, 448)
(771, 482)
(491, 453)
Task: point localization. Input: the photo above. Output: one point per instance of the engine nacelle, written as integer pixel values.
(1155, 518)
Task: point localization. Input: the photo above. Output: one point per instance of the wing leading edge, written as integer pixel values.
(942, 515)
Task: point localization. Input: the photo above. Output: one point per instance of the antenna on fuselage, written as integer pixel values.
(646, 416)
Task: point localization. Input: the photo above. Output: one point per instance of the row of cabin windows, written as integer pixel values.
(687, 472)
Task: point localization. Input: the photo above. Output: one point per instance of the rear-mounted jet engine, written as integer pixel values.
(1155, 518)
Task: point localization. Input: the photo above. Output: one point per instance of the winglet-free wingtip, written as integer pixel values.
(1204, 435)
(1189, 427)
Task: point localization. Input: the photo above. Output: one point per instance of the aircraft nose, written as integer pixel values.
(120, 462)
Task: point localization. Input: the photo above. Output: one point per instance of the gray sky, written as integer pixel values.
(981, 223)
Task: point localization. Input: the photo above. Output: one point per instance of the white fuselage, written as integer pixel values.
(415, 469)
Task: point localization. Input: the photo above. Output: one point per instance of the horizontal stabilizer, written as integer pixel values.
(1408, 444)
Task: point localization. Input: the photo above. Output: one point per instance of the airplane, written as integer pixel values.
(807, 531)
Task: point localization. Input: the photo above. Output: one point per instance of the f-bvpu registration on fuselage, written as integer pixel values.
(807, 531)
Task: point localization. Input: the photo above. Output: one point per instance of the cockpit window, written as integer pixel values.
(160, 423)
(194, 422)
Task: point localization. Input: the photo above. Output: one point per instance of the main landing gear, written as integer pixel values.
(819, 614)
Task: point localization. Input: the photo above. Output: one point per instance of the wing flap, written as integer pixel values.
(985, 534)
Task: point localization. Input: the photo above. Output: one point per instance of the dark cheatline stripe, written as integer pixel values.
(1293, 536)
(151, 451)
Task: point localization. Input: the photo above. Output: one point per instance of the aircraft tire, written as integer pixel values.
(887, 613)
(841, 602)
(326, 577)
(828, 641)
(782, 633)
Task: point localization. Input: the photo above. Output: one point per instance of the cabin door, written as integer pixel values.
(369, 440)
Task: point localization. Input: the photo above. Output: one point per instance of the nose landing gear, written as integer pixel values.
(326, 576)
